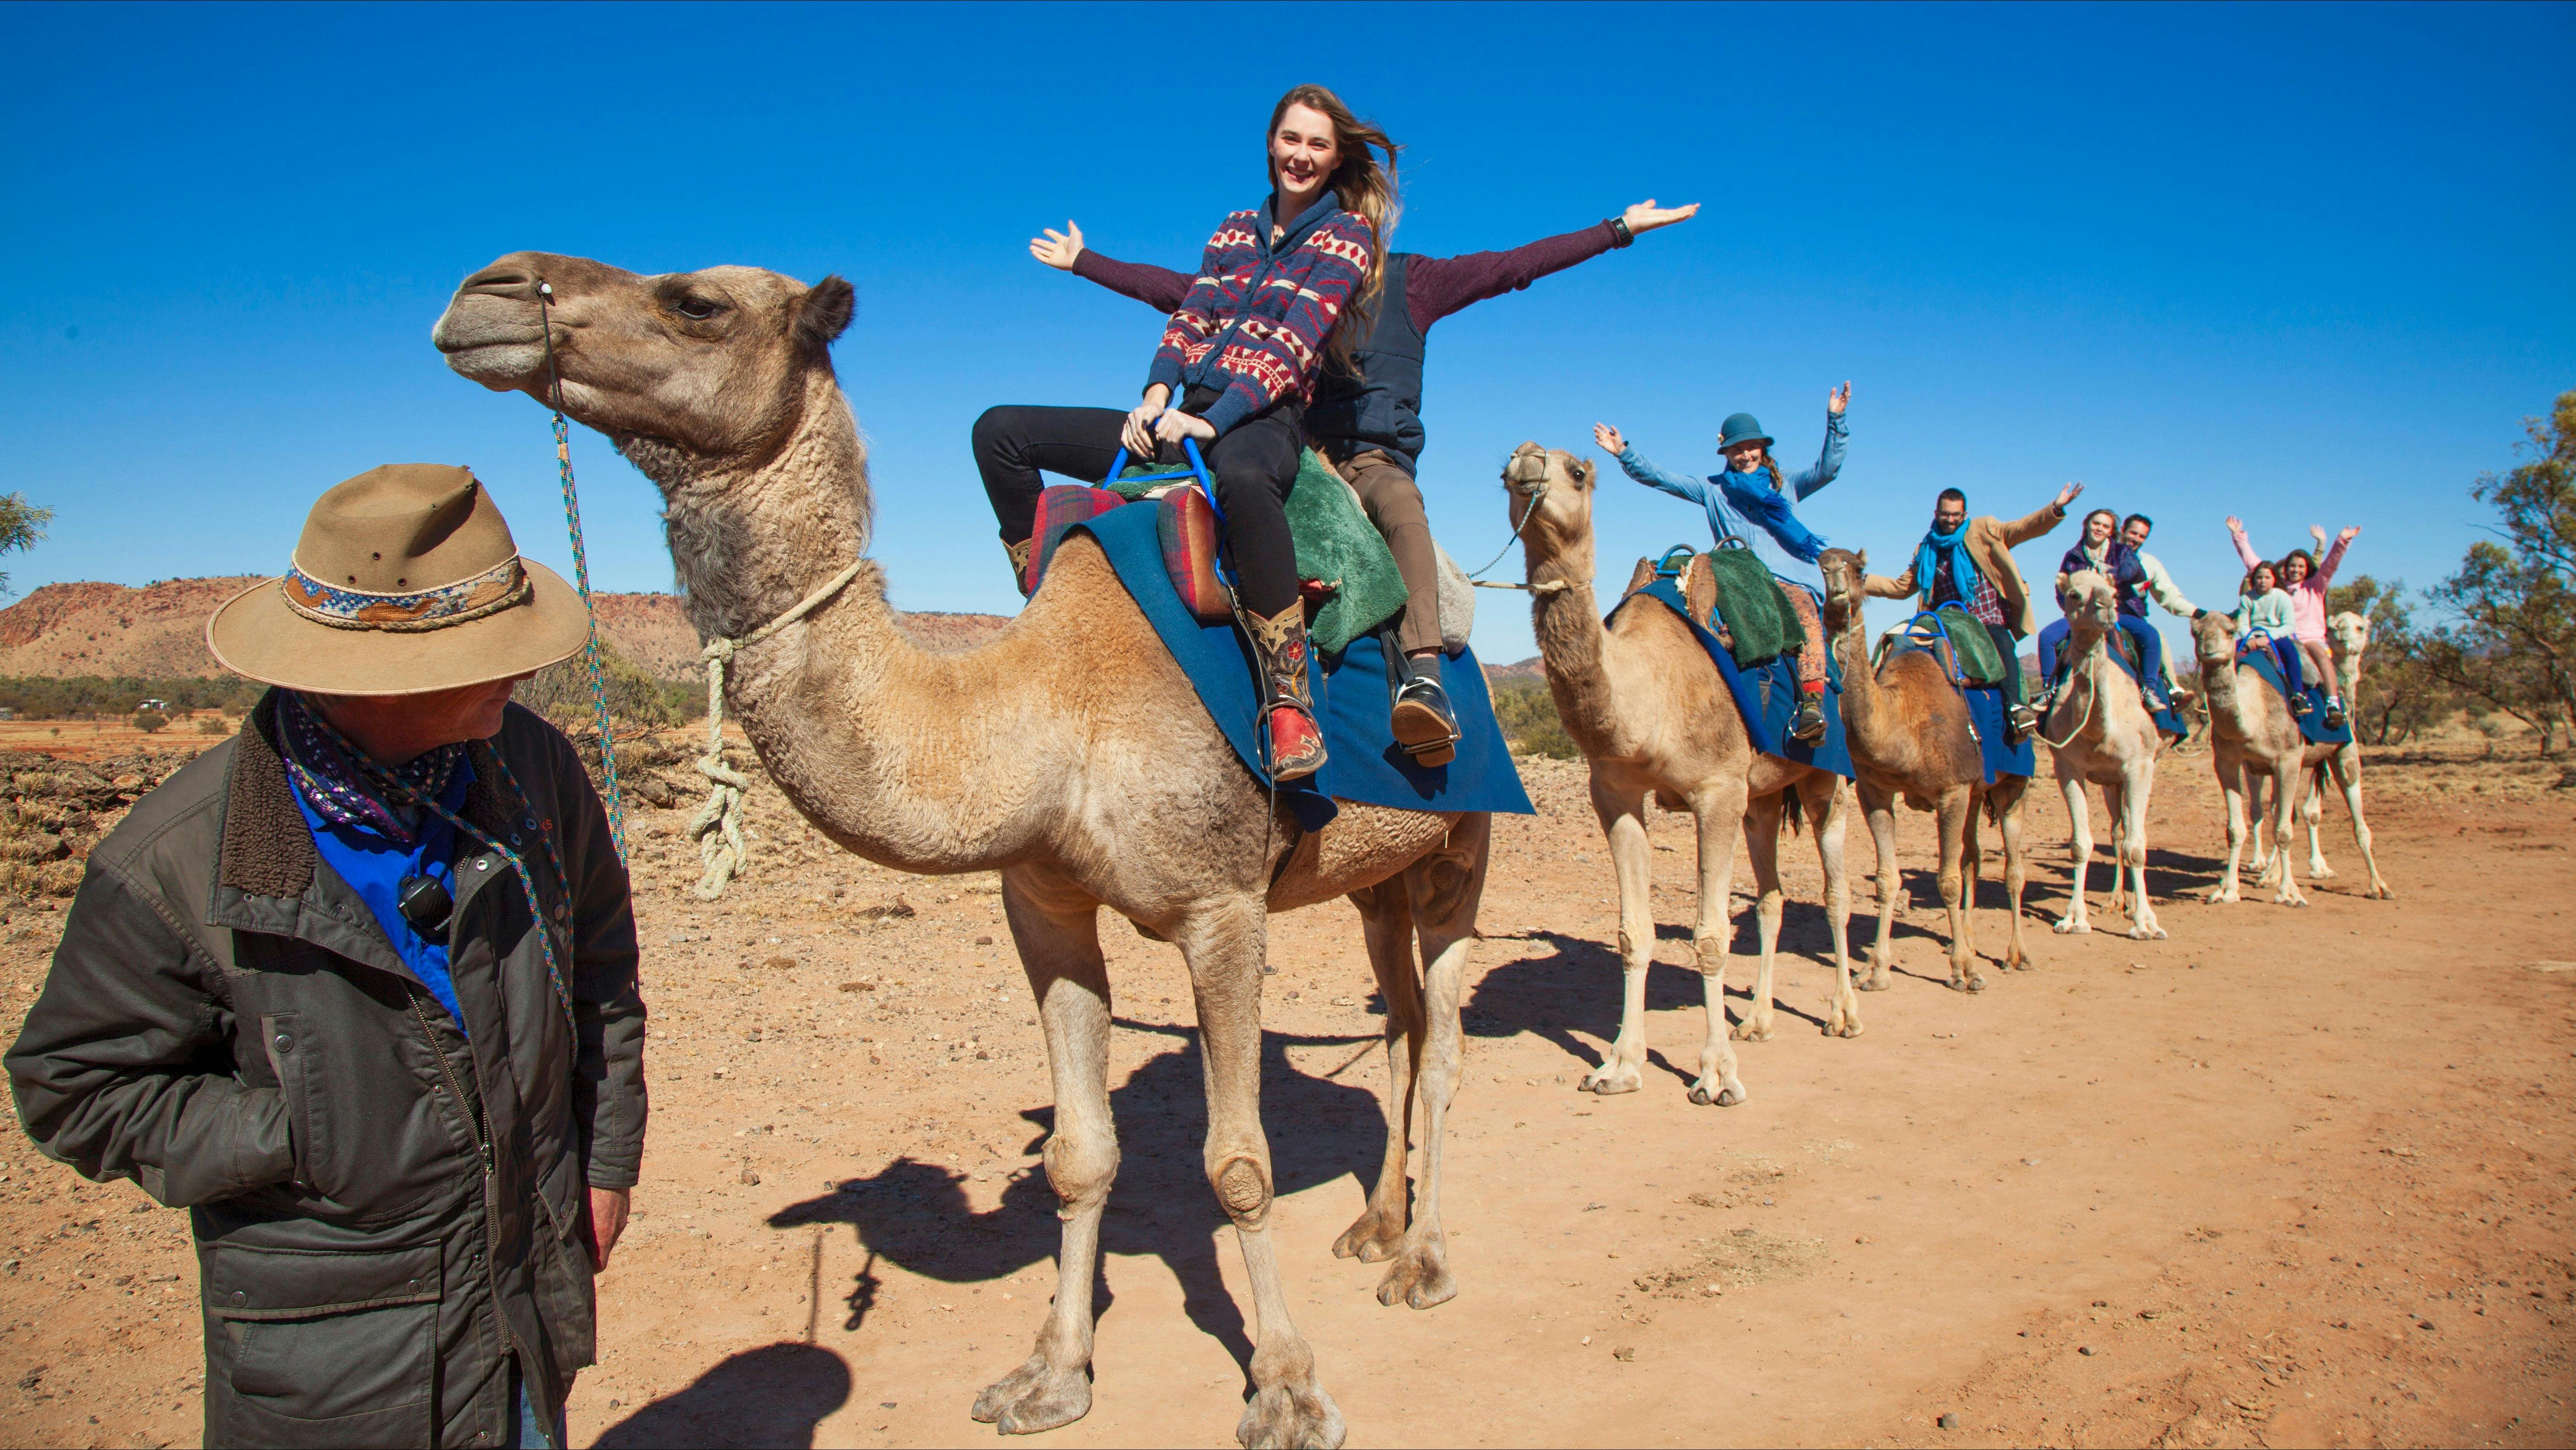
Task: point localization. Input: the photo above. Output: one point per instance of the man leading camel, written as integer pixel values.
(358, 989)
(1969, 562)
(1367, 418)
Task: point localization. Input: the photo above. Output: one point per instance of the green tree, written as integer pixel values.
(22, 524)
(2512, 639)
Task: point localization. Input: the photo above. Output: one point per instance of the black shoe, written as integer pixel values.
(2334, 715)
(1424, 724)
(2019, 722)
(2302, 707)
(1809, 723)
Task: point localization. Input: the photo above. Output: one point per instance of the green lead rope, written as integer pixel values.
(581, 577)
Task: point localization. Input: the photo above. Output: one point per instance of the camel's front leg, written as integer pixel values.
(2312, 812)
(2271, 847)
(2120, 903)
(2079, 815)
(1827, 819)
(2135, 792)
(1223, 945)
(2348, 775)
(1443, 889)
(1959, 887)
(1717, 813)
(2231, 784)
(1386, 923)
(1623, 821)
(2006, 796)
(1762, 845)
(2285, 806)
(1879, 808)
(1056, 930)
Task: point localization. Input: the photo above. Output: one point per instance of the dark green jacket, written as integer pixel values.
(384, 1211)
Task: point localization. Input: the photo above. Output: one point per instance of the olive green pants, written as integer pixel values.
(1394, 504)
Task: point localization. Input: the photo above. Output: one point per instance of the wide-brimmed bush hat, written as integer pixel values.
(1741, 428)
(406, 580)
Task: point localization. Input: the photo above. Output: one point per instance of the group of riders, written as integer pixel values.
(1300, 330)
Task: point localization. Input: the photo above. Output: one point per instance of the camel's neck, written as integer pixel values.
(854, 723)
(1866, 716)
(1571, 640)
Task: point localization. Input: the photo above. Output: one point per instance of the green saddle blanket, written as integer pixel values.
(1759, 623)
(1337, 546)
(1972, 651)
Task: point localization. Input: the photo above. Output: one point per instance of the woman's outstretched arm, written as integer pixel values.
(1637, 466)
(1160, 288)
(2244, 548)
(1837, 432)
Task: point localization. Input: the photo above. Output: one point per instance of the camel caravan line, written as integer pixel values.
(1106, 749)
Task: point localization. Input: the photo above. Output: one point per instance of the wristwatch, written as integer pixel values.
(1619, 229)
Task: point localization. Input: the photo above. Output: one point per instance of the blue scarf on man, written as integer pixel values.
(1952, 546)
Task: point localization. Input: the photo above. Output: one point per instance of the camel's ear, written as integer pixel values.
(1860, 560)
(825, 312)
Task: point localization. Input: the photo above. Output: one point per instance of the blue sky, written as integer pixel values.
(2306, 264)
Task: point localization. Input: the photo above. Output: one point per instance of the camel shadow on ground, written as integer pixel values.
(917, 1216)
(771, 1396)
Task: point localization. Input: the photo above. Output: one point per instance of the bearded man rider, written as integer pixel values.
(1969, 562)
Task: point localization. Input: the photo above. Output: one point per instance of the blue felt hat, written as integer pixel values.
(1741, 428)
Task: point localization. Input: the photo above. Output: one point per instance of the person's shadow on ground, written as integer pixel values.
(771, 1396)
(916, 1214)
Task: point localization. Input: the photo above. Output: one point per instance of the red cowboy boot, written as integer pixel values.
(1296, 740)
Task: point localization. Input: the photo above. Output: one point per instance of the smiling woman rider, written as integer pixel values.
(1242, 353)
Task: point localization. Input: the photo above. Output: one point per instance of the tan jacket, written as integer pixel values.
(1990, 545)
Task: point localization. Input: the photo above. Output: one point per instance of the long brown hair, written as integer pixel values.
(2281, 571)
(1362, 186)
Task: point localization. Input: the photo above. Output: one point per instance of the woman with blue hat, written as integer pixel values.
(1754, 491)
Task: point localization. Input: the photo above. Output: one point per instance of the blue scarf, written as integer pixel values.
(1935, 547)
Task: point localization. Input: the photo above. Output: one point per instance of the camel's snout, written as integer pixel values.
(1526, 473)
(509, 278)
(493, 328)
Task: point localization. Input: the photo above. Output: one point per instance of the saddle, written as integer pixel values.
(1734, 594)
(1953, 637)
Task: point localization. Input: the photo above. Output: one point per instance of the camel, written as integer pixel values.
(1653, 718)
(1910, 736)
(2348, 636)
(1069, 753)
(2255, 746)
(2100, 731)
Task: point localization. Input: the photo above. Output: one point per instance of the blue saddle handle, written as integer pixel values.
(1198, 472)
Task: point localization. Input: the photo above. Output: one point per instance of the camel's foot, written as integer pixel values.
(1717, 1089)
(1614, 1076)
(2223, 895)
(1292, 1415)
(2146, 928)
(2074, 924)
(1419, 1277)
(2288, 895)
(1372, 1238)
(2378, 890)
(1842, 1018)
(1756, 1027)
(1876, 979)
(2318, 870)
(1967, 979)
(1035, 1397)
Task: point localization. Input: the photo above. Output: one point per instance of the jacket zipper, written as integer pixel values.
(483, 1151)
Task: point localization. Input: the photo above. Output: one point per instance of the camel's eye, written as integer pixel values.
(696, 309)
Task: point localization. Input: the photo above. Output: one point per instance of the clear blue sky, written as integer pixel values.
(2306, 264)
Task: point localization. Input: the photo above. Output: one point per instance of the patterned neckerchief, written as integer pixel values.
(336, 786)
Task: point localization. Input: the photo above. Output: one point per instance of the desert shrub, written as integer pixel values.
(92, 697)
(636, 697)
(214, 725)
(151, 722)
(1527, 714)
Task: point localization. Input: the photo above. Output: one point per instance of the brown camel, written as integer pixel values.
(1069, 753)
(2100, 731)
(1910, 736)
(1654, 718)
(2348, 637)
(2256, 747)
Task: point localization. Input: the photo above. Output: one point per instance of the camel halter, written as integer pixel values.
(1528, 512)
(581, 576)
(2092, 692)
(717, 827)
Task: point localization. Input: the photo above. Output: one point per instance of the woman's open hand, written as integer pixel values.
(2350, 533)
(2235, 525)
(1839, 399)
(2067, 494)
(1058, 249)
(1136, 435)
(1176, 425)
(1645, 216)
(1609, 439)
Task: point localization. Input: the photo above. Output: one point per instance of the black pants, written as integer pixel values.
(1254, 467)
(2008, 644)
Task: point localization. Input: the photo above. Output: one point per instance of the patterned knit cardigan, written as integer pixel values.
(1254, 322)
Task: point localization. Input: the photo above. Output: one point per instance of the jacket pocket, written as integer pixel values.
(327, 1348)
(295, 1056)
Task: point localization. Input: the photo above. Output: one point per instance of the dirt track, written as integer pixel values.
(2287, 1178)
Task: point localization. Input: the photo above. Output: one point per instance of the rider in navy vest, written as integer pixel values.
(1367, 419)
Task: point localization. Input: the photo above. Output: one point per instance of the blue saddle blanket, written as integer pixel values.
(1765, 694)
(1364, 763)
(2312, 724)
(2166, 719)
(1986, 712)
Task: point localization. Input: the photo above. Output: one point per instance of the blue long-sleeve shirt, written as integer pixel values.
(1737, 503)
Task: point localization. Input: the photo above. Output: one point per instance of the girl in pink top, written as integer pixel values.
(2306, 581)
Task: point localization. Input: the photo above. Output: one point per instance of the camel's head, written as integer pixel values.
(1551, 496)
(2349, 634)
(2213, 641)
(708, 366)
(2092, 609)
(1845, 571)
